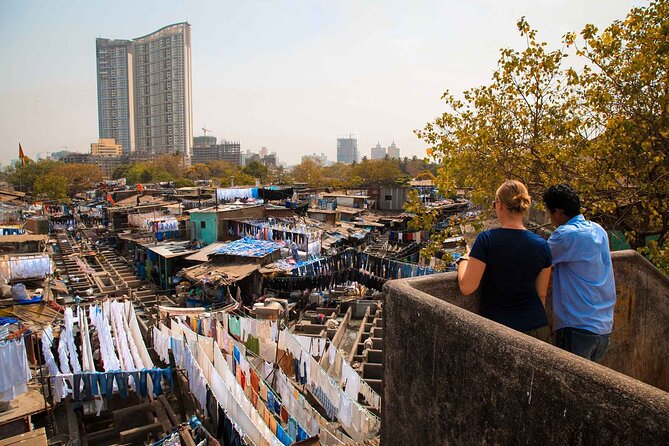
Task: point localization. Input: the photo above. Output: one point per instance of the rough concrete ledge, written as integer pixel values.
(453, 377)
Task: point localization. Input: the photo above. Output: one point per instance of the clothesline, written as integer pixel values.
(337, 402)
(231, 374)
(122, 356)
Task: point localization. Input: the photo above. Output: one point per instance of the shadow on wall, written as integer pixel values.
(453, 377)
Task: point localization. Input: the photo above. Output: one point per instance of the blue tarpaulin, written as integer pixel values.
(248, 247)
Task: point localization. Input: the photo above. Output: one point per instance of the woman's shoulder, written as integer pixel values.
(535, 237)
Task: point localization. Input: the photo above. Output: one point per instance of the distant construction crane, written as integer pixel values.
(205, 130)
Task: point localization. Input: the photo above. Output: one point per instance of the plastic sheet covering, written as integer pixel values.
(25, 267)
(249, 247)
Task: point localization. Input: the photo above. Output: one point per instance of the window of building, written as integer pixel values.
(389, 198)
(203, 225)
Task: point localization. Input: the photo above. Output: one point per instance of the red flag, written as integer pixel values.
(110, 199)
(140, 187)
(22, 156)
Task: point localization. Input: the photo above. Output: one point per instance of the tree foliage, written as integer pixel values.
(23, 177)
(366, 173)
(256, 169)
(602, 127)
(80, 177)
(36, 176)
(53, 187)
(309, 171)
(424, 219)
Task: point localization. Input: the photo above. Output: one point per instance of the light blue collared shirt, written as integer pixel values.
(584, 290)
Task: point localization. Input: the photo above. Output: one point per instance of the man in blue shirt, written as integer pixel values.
(584, 290)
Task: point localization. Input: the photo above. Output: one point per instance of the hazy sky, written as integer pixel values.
(289, 75)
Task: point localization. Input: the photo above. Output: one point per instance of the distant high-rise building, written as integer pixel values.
(378, 152)
(269, 160)
(116, 108)
(249, 157)
(322, 158)
(263, 152)
(144, 91)
(393, 151)
(347, 150)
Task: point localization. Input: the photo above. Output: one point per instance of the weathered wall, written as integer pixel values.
(640, 339)
(209, 233)
(453, 377)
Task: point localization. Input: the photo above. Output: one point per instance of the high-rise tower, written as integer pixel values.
(115, 92)
(347, 150)
(393, 151)
(158, 85)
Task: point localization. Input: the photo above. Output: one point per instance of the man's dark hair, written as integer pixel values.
(563, 197)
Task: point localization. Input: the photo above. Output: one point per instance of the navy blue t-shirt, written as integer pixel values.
(514, 258)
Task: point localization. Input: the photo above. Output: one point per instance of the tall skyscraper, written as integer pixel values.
(378, 152)
(347, 150)
(156, 84)
(116, 109)
(393, 151)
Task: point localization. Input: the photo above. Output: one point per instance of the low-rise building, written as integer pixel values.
(107, 164)
(106, 147)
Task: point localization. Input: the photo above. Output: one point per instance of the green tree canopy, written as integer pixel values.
(383, 172)
(23, 177)
(51, 186)
(256, 169)
(309, 171)
(80, 177)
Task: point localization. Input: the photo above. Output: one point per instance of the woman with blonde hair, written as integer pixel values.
(511, 265)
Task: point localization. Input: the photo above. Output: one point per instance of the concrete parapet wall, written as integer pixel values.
(453, 377)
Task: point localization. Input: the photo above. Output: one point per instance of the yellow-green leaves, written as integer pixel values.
(600, 123)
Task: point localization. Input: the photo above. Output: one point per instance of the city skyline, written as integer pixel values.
(291, 78)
